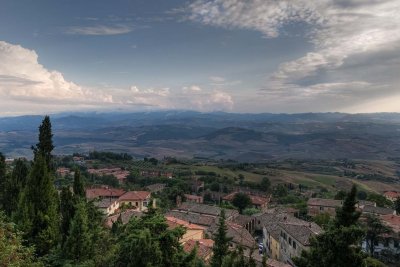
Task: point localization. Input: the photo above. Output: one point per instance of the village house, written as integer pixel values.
(138, 200)
(319, 205)
(193, 198)
(104, 192)
(206, 210)
(203, 220)
(107, 205)
(193, 231)
(392, 195)
(246, 221)
(204, 248)
(294, 238)
(125, 216)
(378, 210)
(62, 172)
(257, 202)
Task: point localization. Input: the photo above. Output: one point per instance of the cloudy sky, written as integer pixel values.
(206, 55)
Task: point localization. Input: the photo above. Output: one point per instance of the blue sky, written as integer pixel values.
(206, 55)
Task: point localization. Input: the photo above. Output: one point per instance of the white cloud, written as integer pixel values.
(341, 32)
(100, 30)
(217, 79)
(28, 87)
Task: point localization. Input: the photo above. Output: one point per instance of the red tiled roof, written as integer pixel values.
(135, 195)
(392, 194)
(204, 247)
(192, 197)
(92, 193)
(392, 220)
(175, 222)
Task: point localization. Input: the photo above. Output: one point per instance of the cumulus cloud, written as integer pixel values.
(100, 30)
(26, 87)
(353, 43)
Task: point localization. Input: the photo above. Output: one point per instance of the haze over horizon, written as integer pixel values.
(256, 56)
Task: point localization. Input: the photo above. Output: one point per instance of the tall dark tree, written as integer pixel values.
(79, 188)
(14, 186)
(265, 184)
(347, 214)
(221, 242)
(2, 179)
(45, 145)
(78, 244)
(241, 201)
(37, 214)
(374, 230)
(397, 205)
(67, 211)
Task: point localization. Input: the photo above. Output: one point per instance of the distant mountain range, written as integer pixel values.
(187, 134)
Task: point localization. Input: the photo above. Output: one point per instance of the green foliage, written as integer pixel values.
(380, 200)
(265, 184)
(12, 252)
(45, 145)
(280, 191)
(374, 229)
(78, 243)
(397, 205)
(251, 211)
(322, 219)
(37, 213)
(340, 195)
(362, 195)
(371, 262)
(2, 179)
(109, 156)
(78, 186)
(348, 215)
(241, 201)
(67, 211)
(221, 242)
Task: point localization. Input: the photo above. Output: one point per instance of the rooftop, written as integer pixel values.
(255, 200)
(205, 209)
(301, 232)
(378, 210)
(175, 222)
(324, 202)
(125, 217)
(392, 221)
(135, 195)
(101, 192)
(204, 247)
(104, 203)
(392, 194)
(192, 217)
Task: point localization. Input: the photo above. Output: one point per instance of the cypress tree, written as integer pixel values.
(78, 245)
(37, 213)
(221, 242)
(79, 189)
(2, 179)
(67, 210)
(14, 185)
(348, 215)
(45, 145)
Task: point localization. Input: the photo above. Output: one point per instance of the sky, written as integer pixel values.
(248, 56)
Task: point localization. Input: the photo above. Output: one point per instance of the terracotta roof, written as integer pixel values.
(301, 232)
(378, 210)
(255, 200)
(204, 247)
(238, 233)
(392, 221)
(175, 222)
(205, 209)
(392, 194)
(242, 219)
(104, 203)
(92, 193)
(135, 195)
(324, 202)
(192, 197)
(192, 217)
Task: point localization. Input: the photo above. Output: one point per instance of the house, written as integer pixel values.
(207, 210)
(204, 248)
(104, 192)
(257, 202)
(154, 188)
(193, 231)
(294, 238)
(193, 198)
(319, 205)
(378, 210)
(107, 205)
(245, 221)
(392, 195)
(139, 200)
(125, 217)
(203, 220)
(64, 172)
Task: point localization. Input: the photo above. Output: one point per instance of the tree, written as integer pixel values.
(2, 178)
(362, 195)
(12, 251)
(67, 211)
(374, 230)
(397, 205)
(79, 189)
(265, 184)
(340, 195)
(322, 219)
(221, 242)
(348, 215)
(78, 243)
(241, 201)
(241, 179)
(37, 213)
(45, 145)
(14, 185)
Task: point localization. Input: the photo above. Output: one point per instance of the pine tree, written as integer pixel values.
(78, 244)
(45, 145)
(348, 215)
(221, 242)
(14, 186)
(2, 179)
(79, 189)
(37, 213)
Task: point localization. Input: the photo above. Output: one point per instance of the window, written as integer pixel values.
(294, 244)
(137, 204)
(321, 208)
(396, 243)
(290, 241)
